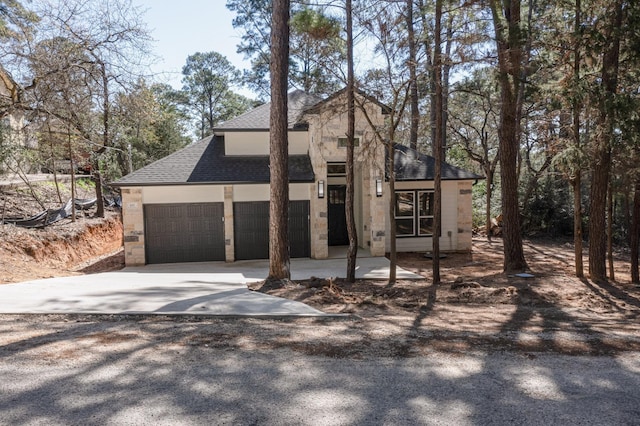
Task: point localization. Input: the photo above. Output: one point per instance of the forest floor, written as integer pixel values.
(476, 307)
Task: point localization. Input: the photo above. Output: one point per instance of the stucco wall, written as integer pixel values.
(182, 194)
(257, 143)
(260, 192)
(456, 218)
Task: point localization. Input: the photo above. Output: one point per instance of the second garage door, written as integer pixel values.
(251, 229)
(184, 232)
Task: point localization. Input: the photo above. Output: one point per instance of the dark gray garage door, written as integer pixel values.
(184, 232)
(251, 229)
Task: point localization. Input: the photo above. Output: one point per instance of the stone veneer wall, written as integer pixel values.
(324, 130)
(229, 244)
(133, 226)
(319, 216)
(465, 216)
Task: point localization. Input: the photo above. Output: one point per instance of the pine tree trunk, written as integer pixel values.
(612, 276)
(577, 224)
(97, 179)
(635, 236)
(278, 143)
(437, 145)
(393, 255)
(602, 151)
(576, 182)
(509, 45)
(352, 251)
(413, 80)
(597, 216)
(489, 183)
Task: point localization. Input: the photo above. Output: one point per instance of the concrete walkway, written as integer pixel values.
(208, 288)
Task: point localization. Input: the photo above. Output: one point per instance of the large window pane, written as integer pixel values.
(404, 204)
(426, 226)
(426, 204)
(425, 213)
(342, 142)
(336, 169)
(404, 227)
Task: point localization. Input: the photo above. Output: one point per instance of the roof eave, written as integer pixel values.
(219, 182)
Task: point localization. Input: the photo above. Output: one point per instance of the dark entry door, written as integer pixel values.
(337, 219)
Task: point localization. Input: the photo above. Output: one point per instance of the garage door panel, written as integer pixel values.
(299, 238)
(184, 232)
(251, 229)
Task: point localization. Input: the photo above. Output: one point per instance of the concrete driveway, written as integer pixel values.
(208, 288)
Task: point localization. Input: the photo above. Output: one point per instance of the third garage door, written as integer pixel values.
(251, 229)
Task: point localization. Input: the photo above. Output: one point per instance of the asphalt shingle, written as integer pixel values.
(259, 118)
(410, 165)
(205, 162)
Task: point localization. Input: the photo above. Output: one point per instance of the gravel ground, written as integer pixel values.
(135, 381)
(72, 371)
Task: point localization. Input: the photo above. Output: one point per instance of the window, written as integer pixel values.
(425, 213)
(336, 169)
(414, 208)
(405, 213)
(342, 142)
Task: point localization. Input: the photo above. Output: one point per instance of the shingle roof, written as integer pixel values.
(410, 165)
(205, 162)
(259, 118)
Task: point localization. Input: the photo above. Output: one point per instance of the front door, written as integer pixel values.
(337, 219)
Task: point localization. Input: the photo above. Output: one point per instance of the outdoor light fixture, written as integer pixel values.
(320, 189)
(378, 187)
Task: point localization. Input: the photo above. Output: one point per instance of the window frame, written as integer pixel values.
(342, 141)
(417, 215)
(341, 165)
(405, 218)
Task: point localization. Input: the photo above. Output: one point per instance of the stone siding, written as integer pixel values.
(465, 216)
(133, 226)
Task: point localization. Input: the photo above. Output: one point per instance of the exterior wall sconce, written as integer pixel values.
(320, 189)
(378, 187)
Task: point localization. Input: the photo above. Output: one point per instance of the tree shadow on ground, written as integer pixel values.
(203, 371)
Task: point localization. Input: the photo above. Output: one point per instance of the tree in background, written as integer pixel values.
(510, 37)
(62, 106)
(150, 124)
(16, 21)
(111, 45)
(390, 82)
(253, 17)
(316, 49)
(473, 124)
(207, 82)
(601, 148)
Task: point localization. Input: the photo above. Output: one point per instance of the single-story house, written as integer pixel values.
(210, 200)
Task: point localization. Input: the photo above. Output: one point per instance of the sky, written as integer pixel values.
(184, 27)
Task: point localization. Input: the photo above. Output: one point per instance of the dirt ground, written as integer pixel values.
(476, 307)
(88, 244)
